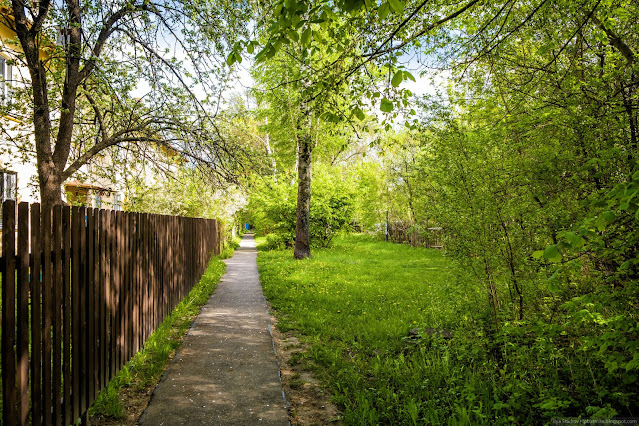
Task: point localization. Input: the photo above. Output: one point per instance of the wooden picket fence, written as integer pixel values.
(417, 236)
(82, 290)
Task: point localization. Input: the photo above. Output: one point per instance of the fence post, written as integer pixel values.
(36, 318)
(8, 269)
(67, 309)
(386, 228)
(47, 305)
(22, 345)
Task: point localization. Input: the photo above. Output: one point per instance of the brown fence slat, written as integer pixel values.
(90, 306)
(56, 373)
(135, 308)
(82, 307)
(122, 219)
(127, 287)
(9, 391)
(47, 306)
(95, 313)
(22, 314)
(104, 318)
(97, 302)
(76, 317)
(36, 317)
(117, 296)
(112, 294)
(66, 315)
(148, 279)
(143, 279)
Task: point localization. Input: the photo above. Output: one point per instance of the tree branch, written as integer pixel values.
(379, 51)
(616, 41)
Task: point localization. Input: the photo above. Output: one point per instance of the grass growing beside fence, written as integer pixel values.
(355, 305)
(148, 365)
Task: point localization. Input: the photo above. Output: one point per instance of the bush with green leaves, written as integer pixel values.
(273, 206)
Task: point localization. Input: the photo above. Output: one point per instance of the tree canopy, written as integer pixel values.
(121, 73)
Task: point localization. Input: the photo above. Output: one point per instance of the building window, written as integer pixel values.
(8, 183)
(97, 200)
(6, 76)
(117, 202)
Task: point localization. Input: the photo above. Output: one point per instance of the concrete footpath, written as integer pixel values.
(226, 372)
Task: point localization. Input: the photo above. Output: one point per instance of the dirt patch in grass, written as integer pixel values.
(309, 402)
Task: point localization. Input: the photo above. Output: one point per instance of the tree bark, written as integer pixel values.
(302, 229)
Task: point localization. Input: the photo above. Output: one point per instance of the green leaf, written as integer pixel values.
(575, 240)
(317, 36)
(331, 118)
(291, 5)
(383, 10)
(408, 76)
(357, 111)
(600, 223)
(386, 105)
(293, 35)
(306, 37)
(538, 254)
(270, 51)
(552, 253)
(238, 57)
(609, 216)
(352, 6)
(230, 60)
(397, 78)
(274, 26)
(250, 48)
(396, 5)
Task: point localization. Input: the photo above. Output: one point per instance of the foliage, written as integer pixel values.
(185, 193)
(229, 248)
(528, 161)
(273, 208)
(355, 305)
(82, 93)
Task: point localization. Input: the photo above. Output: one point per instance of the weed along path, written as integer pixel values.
(226, 371)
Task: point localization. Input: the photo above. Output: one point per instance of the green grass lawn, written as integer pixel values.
(355, 304)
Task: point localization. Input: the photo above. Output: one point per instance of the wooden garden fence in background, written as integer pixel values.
(415, 235)
(82, 290)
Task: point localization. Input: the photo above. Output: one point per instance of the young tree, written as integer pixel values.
(82, 91)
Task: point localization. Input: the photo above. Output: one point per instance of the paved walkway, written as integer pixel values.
(226, 372)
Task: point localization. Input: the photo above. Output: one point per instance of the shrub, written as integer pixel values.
(273, 209)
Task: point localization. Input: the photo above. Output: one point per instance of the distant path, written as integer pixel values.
(226, 371)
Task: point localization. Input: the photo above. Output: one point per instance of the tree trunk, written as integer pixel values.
(302, 229)
(50, 186)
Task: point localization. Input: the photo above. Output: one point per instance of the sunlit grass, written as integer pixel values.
(355, 305)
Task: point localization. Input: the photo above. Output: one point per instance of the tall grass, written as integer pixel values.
(363, 308)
